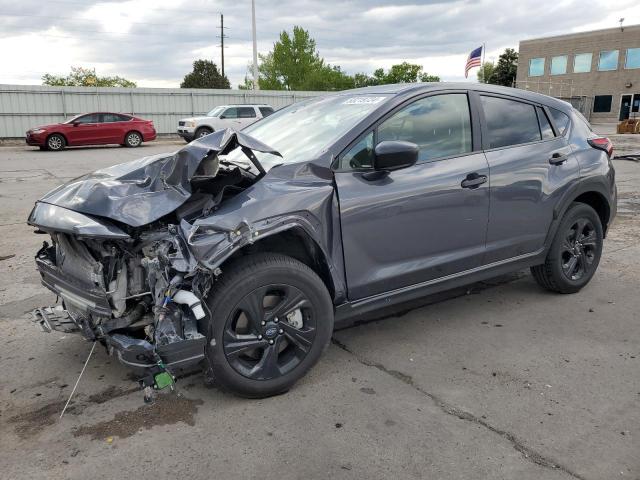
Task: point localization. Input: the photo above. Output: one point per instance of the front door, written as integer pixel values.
(423, 222)
(85, 130)
(625, 107)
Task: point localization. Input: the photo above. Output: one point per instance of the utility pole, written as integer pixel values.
(255, 46)
(222, 43)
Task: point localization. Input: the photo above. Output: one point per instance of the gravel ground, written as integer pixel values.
(507, 381)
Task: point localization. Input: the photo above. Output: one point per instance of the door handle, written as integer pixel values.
(473, 180)
(557, 158)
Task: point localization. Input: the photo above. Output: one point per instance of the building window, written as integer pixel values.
(536, 67)
(608, 60)
(559, 65)
(633, 58)
(602, 103)
(582, 63)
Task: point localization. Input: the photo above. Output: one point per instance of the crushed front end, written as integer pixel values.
(118, 259)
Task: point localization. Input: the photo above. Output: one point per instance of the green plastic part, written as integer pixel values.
(163, 380)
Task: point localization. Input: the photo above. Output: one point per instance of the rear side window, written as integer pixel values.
(561, 120)
(246, 112)
(440, 125)
(510, 122)
(114, 117)
(265, 111)
(545, 126)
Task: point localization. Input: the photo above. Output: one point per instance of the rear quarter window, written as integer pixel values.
(265, 111)
(561, 121)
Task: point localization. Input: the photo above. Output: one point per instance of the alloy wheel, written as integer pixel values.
(54, 142)
(269, 332)
(579, 249)
(133, 139)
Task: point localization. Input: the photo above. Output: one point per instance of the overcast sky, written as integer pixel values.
(154, 42)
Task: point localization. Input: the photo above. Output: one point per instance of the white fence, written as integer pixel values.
(26, 106)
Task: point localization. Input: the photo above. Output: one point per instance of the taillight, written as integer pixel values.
(602, 143)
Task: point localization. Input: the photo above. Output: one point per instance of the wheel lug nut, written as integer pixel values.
(259, 337)
(270, 342)
(276, 320)
(281, 331)
(263, 323)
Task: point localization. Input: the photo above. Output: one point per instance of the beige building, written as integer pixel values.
(598, 71)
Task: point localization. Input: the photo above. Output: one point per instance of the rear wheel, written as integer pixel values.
(272, 319)
(574, 253)
(132, 139)
(55, 142)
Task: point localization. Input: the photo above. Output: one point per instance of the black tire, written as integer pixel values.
(132, 139)
(575, 252)
(202, 132)
(56, 142)
(245, 366)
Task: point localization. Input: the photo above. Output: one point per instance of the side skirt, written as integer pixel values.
(350, 313)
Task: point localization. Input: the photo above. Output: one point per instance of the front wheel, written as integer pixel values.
(272, 319)
(55, 142)
(574, 253)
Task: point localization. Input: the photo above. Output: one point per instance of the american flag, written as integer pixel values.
(473, 60)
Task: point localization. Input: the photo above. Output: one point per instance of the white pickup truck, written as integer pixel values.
(224, 116)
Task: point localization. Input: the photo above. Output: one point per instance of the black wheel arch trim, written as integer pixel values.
(247, 235)
(595, 185)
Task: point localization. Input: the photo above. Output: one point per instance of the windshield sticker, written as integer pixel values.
(363, 100)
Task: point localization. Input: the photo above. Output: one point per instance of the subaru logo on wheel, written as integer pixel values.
(271, 331)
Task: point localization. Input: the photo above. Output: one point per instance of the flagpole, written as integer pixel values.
(482, 64)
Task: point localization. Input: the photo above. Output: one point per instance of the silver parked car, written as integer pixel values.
(224, 116)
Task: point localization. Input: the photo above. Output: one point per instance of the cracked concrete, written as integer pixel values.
(527, 453)
(504, 381)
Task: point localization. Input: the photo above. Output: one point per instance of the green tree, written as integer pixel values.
(205, 74)
(291, 63)
(504, 72)
(399, 73)
(85, 77)
(485, 72)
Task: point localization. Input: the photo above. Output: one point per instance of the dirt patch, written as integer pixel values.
(31, 423)
(110, 393)
(166, 410)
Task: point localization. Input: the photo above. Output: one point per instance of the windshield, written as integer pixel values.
(215, 112)
(301, 131)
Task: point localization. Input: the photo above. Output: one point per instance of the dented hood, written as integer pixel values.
(139, 192)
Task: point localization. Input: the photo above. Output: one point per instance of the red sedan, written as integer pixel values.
(99, 128)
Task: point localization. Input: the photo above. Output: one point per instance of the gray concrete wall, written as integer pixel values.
(589, 84)
(27, 106)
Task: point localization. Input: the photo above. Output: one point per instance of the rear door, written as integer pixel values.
(113, 128)
(85, 130)
(423, 222)
(531, 166)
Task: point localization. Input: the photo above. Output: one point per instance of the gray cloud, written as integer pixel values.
(161, 42)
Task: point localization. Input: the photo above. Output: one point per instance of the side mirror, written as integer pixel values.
(222, 117)
(75, 124)
(394, 155)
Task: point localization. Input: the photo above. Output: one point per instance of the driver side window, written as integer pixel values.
(440, 125)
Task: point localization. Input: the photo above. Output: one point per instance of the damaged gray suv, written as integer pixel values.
(243, 250)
